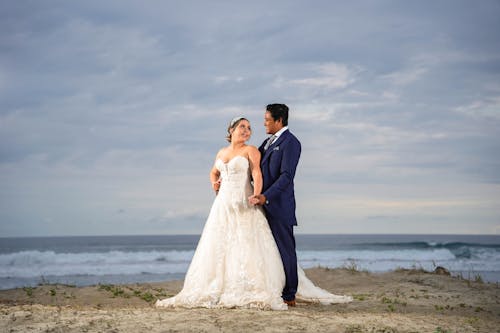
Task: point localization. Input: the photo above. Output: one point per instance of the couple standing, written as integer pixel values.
(246, 254)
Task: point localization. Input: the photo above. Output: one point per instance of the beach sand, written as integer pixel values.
(400, 301)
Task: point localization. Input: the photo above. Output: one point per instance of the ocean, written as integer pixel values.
(92, 260)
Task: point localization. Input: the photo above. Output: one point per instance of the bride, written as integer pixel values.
(236, 262)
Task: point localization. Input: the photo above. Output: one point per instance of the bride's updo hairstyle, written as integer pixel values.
(232, 125)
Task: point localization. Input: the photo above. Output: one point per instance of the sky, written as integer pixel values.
(111, 112)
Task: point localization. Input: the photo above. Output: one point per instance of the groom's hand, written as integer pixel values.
(259, 199)
(252, 200)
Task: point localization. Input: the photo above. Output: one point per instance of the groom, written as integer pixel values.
(280, 155)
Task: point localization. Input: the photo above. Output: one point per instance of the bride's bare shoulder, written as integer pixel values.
(221, 152)
(252, 152)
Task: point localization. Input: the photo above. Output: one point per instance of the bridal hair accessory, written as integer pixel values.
(232, 124)
(235, 120)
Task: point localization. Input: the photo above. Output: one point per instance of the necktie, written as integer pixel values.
(269, 142)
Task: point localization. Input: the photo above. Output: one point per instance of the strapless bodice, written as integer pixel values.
(234, 172)
(235, 185)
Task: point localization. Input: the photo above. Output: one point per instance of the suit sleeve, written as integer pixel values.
(289, 162)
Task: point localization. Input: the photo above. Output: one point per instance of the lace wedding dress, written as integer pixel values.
(236, 262)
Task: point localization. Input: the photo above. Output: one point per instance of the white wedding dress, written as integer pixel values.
(236, 262)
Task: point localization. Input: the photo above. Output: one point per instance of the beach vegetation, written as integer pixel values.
(70, 296)
(360, 297)
(386, 300)
(351, 266)
(354, 329)
(472, 320)
(391, 303)
(52, 292)
(115, 290)
(442, 308)
(148, 297)
(383, 330)
(29, 291)
(160, 292)
(439, 329)
(472, 277)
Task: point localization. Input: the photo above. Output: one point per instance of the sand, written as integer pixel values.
(400, 301)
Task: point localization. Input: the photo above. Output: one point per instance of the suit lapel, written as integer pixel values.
(275, 144)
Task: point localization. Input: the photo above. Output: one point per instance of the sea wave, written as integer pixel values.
(26, 264)
(39, 263)
(426, 245)
(382, 261)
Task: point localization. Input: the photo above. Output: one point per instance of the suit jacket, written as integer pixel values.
(278, 164)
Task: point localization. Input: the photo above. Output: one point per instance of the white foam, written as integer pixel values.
(385, 260)
(29, 264)
(40, 263)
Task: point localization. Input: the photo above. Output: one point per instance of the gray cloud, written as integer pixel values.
(121, 107)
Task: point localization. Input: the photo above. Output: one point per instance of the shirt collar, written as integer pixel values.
(277, 134)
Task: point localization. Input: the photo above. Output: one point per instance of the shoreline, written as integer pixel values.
(491, 277)
(480, 276)
(397, 301)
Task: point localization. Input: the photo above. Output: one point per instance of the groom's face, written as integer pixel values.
(272, 126)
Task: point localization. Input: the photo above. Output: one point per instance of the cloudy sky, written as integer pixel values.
(111, 112)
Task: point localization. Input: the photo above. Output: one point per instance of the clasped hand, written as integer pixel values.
(258, 199)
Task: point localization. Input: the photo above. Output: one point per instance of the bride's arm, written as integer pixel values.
(214, 179)
(254, 158)
(215, 176)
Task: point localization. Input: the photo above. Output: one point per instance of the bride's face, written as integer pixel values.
(241, 132)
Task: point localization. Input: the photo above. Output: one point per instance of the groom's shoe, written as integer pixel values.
(291, 303)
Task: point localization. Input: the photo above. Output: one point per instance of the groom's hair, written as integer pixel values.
(279, 111)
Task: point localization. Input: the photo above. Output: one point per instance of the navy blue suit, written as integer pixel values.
(278, 164)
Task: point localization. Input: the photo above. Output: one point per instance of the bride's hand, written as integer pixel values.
(253, 200)
(216, 185)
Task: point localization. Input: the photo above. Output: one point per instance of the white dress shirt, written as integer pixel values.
(277, 134)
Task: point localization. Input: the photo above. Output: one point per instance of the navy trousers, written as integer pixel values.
(283, 235)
